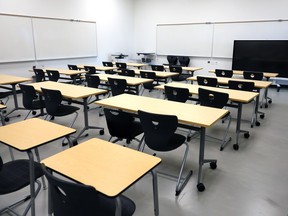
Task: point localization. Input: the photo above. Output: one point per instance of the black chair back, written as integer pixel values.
(53, 75)
(212, 98)
(92, 81)
(90, 69)
(207, 81)
(28, 95)
(121, 65)
(107, 64)
(157, 67)
(253, 75)
(224, 73)
(176, 69)
(184, 60)
(72, 67)
(241, 85)
(118, 86)
(126, 72)
(52, 99)
(176, 94)
(148, 75)
(39, 75)
(172, 60)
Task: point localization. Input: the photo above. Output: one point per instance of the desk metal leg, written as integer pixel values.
(15, 102)
(118, 206)
(202, 160)
(32, 186)
(155, 193)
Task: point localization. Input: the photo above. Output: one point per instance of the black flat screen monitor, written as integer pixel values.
(261, 55)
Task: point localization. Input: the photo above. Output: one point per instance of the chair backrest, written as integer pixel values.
(184, 60)
(107, 64)
(172, 60)
(241, 85)
(212, 98)
(28, 95)
(92, 81)
(73, 199)
(157, 67)
(90, 69)
(52, 100)
(53, 75)
(72, 67)
(39, 75)
(126, 72)
(176, 69)
(118, 86)
(224, 73)
(207, 81)
(148, 75)
(158, 129)
(253, 75)
(176, 94)
(121, 65)
(118, 122)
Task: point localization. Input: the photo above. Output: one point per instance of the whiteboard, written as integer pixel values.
(190, 40)
(64, 39)
(16, 42)
(225, 34)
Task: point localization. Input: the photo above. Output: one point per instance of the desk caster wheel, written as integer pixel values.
(221, 148)
(74, 142)
(200, 187)
(266, 105)
(251, 126)
(7, 119)
(34, 112)
(236, 147)
(257, 123)
(213, 165)
(262, 116)
(101, 132)
(246, 135)
(188, 139)
(270, 101)
(101, 114)
(64, 144)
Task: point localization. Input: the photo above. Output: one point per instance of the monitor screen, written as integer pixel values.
(261, 55)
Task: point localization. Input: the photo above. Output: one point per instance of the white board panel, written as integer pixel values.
(186, 39)
(64, 39)
(16, 42)
(225, 34)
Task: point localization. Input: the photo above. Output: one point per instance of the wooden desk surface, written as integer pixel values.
(9, 79)
(234, 95)
(99, 68)
(192, 69)
(133, 64)
(161, 74)
(30, 133)
(2, 106)
(130, 80)
(187, 113)
(68, 90)
(239, 72)
(224, 80)
(108, 167)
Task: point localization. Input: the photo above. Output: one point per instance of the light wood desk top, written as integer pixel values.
(109, 168)
(192, 69)
(234, 95)
(239, 72)
(133, 81)
(68, 90)
(30, 133)
(99, 68)
(187, 113)
(9, 79)
(225, 80)
(160, 74)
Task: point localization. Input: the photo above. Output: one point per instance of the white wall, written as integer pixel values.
(115, 26)
(149, 13)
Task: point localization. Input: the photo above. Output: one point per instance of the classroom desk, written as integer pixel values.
(72, 73)
(189, 116)
(239, 97)
(259, 84)
(159, 74)
(73, 92)
(98, 68)
(131, 81)
(13, 81)
(133, 64)
(110, 169)
(32, 133)
(189, 69)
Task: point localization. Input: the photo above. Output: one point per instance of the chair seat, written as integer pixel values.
(176, 141)
(15, 175)
(65, 110)
(133, 131)
(38, 104)
(179, 78)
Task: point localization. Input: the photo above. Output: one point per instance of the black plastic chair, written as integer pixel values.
(108, 64)
(53, 75)
(176, 94)
(5, 95)
(76, 78)
(39, 75)
(14, 176)
(92, 82)
(217, 100)
(184, 60)
(121, 65)
(150, 85)
(172, 60)
(177, 69)
(74, 199)
(119, 86)
(207, 81)
(72, 67)
(31, 101)
(90, 69)
(157, 67)
(122, 125)
(126, 72)
(224, 73)
(159, 135)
